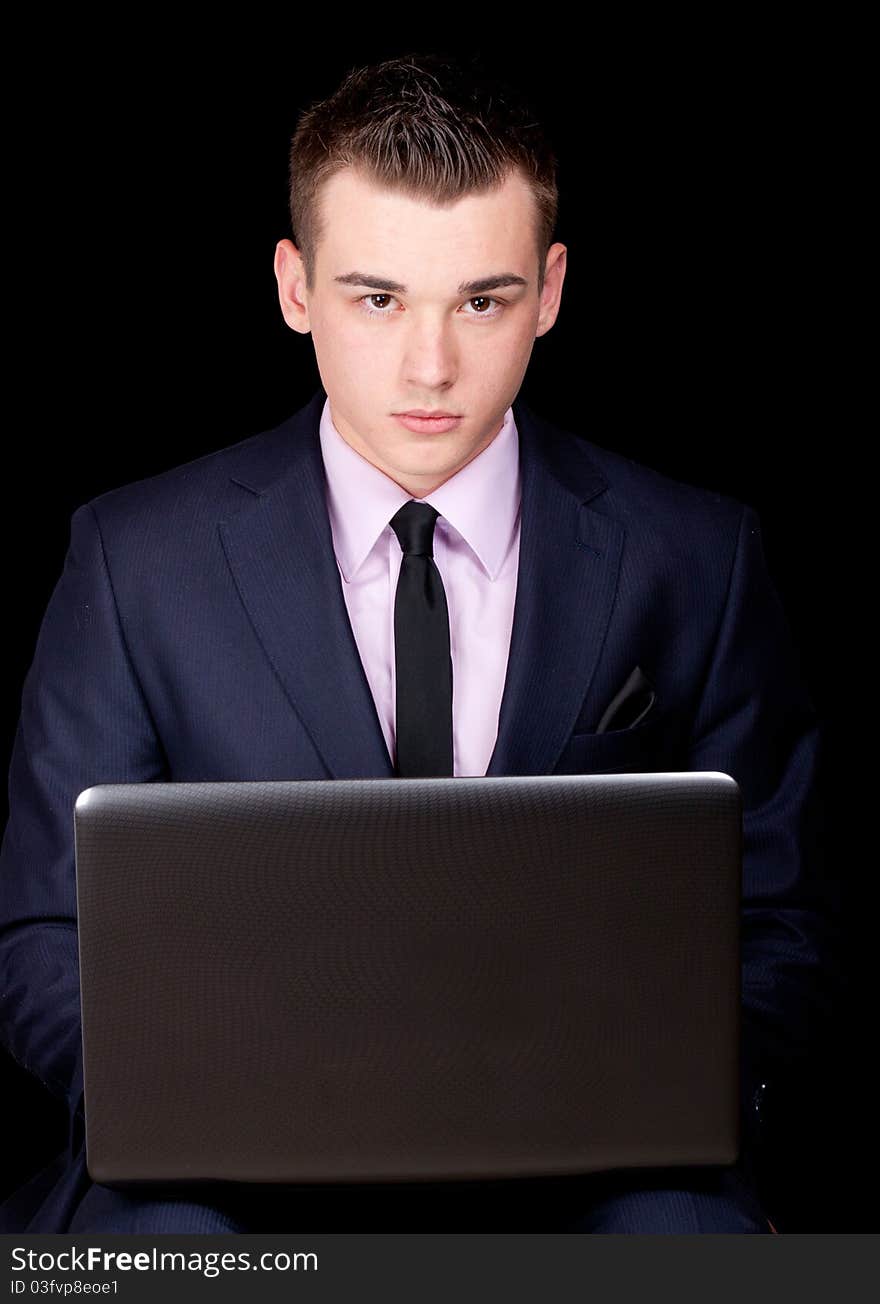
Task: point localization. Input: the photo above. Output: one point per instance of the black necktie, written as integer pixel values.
(421, 650)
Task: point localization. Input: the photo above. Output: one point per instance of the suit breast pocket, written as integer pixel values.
(641, 747)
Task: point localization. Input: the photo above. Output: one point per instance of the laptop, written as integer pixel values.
(380, 980)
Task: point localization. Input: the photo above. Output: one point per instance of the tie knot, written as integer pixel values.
(414, 527)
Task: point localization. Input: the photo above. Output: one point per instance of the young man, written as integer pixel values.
(414, 574)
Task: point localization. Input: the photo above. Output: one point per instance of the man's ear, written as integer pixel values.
(554, 275)
(291, 277)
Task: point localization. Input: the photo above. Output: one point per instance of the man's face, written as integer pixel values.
(399, 323)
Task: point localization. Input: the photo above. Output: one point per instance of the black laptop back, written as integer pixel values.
(405, 979)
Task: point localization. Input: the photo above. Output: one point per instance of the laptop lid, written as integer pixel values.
(406, 979)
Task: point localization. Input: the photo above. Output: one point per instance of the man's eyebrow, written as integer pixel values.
(479, 286)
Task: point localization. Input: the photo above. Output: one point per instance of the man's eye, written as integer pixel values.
(367, 303)
(484, 298)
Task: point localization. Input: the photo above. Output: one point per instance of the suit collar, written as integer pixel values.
(279, 547)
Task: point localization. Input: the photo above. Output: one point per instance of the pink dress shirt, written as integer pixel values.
(476, 550)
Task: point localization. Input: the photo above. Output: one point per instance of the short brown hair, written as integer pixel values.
(429, 126)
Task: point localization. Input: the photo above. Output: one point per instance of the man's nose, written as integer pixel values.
(431, 354)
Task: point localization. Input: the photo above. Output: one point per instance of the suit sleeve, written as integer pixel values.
(757, 722)
(83, 721)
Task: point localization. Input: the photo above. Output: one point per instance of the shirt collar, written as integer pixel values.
(480, 501)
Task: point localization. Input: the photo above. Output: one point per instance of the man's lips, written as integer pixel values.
(423, 421)
(433, 424)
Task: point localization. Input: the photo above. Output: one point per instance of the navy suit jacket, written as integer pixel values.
(198, 631)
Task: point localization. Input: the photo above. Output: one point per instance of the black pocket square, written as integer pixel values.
(630, 705)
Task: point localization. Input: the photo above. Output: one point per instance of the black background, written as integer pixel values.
(700, 190)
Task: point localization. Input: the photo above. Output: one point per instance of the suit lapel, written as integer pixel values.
(280, 549)
(279, 546)
(568, 572)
